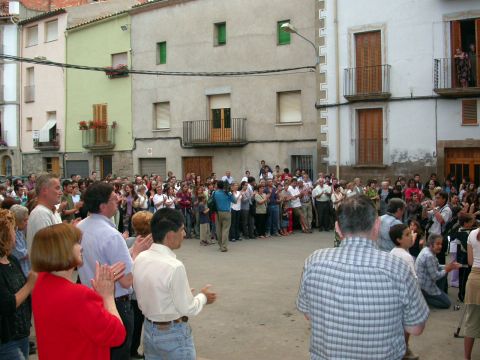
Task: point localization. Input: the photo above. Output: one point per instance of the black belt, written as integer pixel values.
(164, 323)
(124, 298)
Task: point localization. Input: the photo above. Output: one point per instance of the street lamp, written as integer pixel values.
(289, 28)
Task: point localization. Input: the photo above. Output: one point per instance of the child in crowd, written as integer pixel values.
(403, 238)
(284, 219)
(417, 233)
(204, 217)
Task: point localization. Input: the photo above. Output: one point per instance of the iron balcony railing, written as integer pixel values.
(100, 138)
(29, 92)
(455, 73)
(368, 82)
(53, 144)
(228, 132)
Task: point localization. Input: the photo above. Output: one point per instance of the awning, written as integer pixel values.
(45, 131)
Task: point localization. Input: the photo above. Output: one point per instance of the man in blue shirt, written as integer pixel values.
(223, 200)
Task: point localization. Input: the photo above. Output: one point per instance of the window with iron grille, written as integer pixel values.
(302, 162)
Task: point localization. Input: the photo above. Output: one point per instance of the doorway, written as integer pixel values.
(200, 165)
(220, 118)
(463, 162)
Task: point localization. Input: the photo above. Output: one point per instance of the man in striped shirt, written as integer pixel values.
(359, 299)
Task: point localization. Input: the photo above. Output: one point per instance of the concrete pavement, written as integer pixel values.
(255, 315)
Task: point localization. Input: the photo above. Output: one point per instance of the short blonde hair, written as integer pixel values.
(52, 248)
(7, 227)
(141, 223)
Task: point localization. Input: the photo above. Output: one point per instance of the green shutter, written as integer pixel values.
(283, 36)
(221, 33)
(162, 52)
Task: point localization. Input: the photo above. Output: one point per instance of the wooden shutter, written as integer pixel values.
(469, 112)
(368, 61)
(477, 47)
(221, 34)
(456, 43)
(55, 165)
(283, 36)
(101, 122)
(162, 52)
(370, 137)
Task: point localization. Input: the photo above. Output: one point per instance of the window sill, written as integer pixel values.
(49, 41)
(372, 166)
(470, 124)
(219, 45)
(289, 124)
(161, 130)
(278, 44)
(31, 45)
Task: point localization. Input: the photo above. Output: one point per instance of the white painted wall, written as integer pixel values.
(10, 108)
(414, 32)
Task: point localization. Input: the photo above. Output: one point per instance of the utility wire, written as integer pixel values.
(152, 72)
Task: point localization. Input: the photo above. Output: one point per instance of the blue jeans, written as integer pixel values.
(175, 342)
(441, 301)
(15, 350)
(272, 219)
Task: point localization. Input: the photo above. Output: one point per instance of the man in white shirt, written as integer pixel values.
(295, 194)
(322, 194)
(163, 292)
(49, 192)
(228, 177)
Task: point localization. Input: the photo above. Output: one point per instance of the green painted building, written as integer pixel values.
(98, 125)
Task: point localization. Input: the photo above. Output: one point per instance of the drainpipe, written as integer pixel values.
(337, 84)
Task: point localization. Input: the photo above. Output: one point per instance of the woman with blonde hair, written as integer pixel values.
(15, 289)
(71, 318)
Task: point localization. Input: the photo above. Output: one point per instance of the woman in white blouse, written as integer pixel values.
(159, 198)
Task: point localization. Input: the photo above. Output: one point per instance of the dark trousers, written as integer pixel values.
(260, 223)
(122, 352)
(323, 213)
(235, 225)
(247, 224)
(137, 327)
(462, 282)
(272, 219)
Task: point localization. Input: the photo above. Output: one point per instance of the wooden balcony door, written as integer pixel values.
(370, 137)
(101, 121)
(463, 162)
(220, 118)
(368, 61)
(456, 41)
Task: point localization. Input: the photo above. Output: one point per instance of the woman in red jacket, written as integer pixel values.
(71, 320)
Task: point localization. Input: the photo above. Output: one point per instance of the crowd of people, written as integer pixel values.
(112, 231)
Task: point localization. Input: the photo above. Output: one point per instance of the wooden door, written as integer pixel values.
(55, 166)
(370, 137)
(456, 43)
(463, 162)
(200, 165)
(368, 61)
(221, 125)
(477, 47)
(105, 166)
(101, 122)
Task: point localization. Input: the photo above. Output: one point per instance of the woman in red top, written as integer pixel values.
(71, 320)
(412, 189)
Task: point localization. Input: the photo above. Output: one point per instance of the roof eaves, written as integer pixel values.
(105, 17)
(44, 15)
(155, 4)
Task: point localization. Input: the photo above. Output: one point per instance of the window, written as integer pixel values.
(289, 107)
(52, 165)
(283, 37)
(51, 30)
(220, 34)
(162, 115)
(29, 89)
(29, 124)
(370, 137)
(303, 162)
(32, 36)
(368, 61)
(119, 59)
(469, 112)
(162, 52)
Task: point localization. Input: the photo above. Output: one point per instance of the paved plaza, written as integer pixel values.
(255, 315)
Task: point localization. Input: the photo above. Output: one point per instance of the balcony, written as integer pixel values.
(29, 93)
(3, 140)
(367, 83)
(450, 82)
(52, 145)
(206, 133)
(101, 138)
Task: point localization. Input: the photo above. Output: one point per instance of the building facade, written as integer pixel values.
(395, 101)
(206, 124)
(99, 104)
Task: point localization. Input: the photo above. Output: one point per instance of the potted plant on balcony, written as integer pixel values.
(116, 71)
(83, 125)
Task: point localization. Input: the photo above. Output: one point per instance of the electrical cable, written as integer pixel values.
(153, 72)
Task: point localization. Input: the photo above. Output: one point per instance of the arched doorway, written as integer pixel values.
(6, 166)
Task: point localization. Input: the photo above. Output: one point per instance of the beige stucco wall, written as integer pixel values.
(49, 82)
(188, 29)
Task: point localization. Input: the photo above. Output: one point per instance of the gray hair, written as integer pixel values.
(395, 204)
(20, 212)
(43, 181)
(356, 214)
(432, 238)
